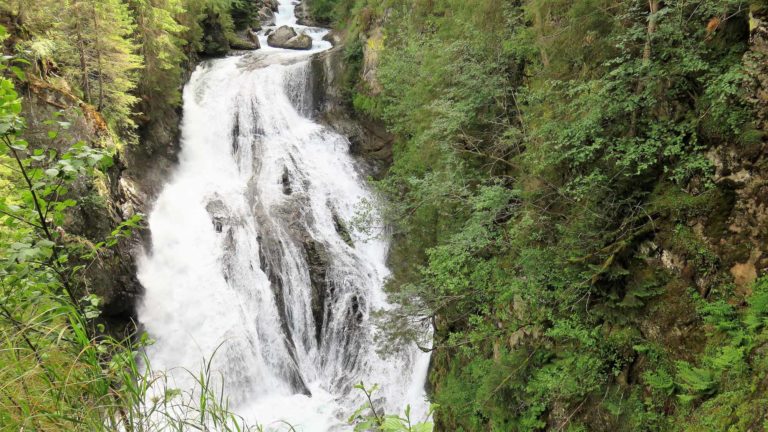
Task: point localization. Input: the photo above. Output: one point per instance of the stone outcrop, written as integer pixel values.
(254, 13)
(303, 15)
(735, 229)
(266, 17)
(244, 42)
(369, 138)
(253, 37)
(267, 12)
(371, 57)
(273, 5)
(742, 168)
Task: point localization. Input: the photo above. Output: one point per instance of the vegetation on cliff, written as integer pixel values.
(113, 54)
(77, 79)
(576, 192)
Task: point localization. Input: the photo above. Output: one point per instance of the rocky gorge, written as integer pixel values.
(575, 194)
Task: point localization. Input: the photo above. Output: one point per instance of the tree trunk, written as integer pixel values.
(653, 7)
(98, 57)
(83, 65)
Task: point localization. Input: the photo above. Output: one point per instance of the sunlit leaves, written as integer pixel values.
(369, 417)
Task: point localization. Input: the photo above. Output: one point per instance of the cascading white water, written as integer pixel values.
(250, 255)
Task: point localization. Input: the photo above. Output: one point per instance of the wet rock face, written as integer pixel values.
(285, 180)
(266, 17)
(369, 138)
(286, 37)
(341, 229)
(318, 261)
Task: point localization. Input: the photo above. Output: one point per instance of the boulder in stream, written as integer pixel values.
(244, 42)
(286, 37)
(253, 36)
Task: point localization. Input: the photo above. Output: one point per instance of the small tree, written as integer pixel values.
(101, 31)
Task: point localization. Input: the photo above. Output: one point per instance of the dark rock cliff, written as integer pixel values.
(368, 137)
(128, 188)
(104, 201)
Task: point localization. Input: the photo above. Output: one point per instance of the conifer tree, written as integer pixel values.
(114, 59)
(159, 34)
(98, 53)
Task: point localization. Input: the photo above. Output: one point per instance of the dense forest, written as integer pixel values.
(581, 186)
(577, 191)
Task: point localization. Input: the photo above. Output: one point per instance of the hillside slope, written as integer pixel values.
(580, 205)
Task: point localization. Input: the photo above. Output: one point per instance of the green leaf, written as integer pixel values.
(19, 73)
(423, 427)
(394, 424)
(46, 243)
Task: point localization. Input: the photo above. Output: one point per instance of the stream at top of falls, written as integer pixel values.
(250, 267)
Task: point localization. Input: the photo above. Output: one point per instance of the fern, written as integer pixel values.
(696, 382)
(660, 381)
(757, 314)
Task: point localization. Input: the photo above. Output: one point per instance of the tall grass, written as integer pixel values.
(53, 377)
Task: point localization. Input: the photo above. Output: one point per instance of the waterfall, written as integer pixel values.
(251, 256)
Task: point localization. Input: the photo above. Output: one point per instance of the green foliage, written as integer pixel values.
(323, 10)
(660, 381)
(113, 54)
(695, 382)
(368, 419)
(546, 150)
(726, 380)
(94, 47)
(162, 44)
(42, 322)
(328, 12)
